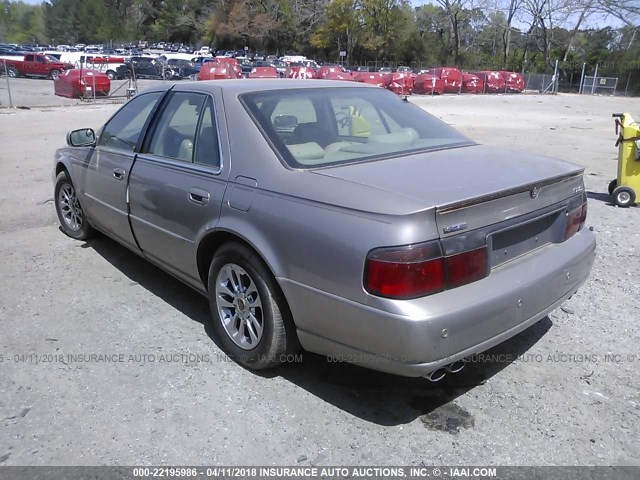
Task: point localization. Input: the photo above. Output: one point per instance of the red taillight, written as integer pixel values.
(466, 267)
(575, 221)
(405, 272)
(419, 270)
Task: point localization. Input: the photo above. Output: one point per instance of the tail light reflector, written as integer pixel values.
(575, 221)
(466, 267)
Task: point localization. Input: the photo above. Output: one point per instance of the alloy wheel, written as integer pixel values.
(239, 305)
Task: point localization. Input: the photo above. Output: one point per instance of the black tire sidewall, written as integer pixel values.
(269, 351)
(85, 231)
(612, 186)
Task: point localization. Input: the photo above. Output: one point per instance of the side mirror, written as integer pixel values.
(84, 137)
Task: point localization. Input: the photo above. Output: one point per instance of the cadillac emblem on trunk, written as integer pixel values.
(534, 192)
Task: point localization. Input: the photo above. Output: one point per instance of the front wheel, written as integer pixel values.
(612, 186)
(55, 74)
(624, 197)
(70, 214)
(251, 318)
(111, 74)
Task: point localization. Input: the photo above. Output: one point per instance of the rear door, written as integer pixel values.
(103, 179)
(178, 182)
(30, 66)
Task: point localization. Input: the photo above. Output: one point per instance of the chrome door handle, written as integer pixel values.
(118, 173)
(199, 196)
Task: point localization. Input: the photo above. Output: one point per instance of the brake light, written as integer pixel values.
(405, 272)
(466, 267)
(419, 270)
(575, 221)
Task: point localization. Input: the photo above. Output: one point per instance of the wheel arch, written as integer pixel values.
(61, 167)
(213, 240)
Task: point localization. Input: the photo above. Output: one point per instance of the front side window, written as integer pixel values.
(124, 129)
(317, 127)
(175, 134)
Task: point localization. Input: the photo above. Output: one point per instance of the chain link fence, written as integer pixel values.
(592, 85)
(540, 82)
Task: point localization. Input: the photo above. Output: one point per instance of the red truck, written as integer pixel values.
(35, 65)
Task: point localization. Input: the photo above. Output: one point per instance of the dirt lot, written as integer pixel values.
(563, 401)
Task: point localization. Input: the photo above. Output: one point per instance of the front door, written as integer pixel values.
(104, 180)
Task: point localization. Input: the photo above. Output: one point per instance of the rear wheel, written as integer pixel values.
(12, 72)
(251, 318)
(624, 197)
(54, 74)
(612, 186)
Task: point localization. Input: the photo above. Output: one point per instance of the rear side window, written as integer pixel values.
(175, 134)
(207, 147)
(124, 129)
(187, 130)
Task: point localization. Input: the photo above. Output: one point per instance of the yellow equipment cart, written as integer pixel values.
(624, 189)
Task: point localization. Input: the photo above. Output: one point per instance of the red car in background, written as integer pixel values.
(426, 83)
(452, 78)
(372, 78)
(472, 83)
(263, 72)
(493, 81)
(216, 71)
(400, 82)
(81, 83)
(300, 72)
(339, 76)
(326, 70)
(514, 81)
(231, 63)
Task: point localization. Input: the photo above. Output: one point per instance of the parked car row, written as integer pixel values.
(436, 81)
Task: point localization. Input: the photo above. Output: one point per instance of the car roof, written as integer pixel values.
(240, 86)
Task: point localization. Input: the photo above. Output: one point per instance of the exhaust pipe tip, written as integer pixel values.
(456, 366)
(437, 375)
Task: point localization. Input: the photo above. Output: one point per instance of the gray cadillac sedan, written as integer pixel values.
(333, 216)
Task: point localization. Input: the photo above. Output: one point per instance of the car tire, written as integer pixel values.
(12, 72)
(624, 197)
(111, 74)
(72, 219)
(612, 186)
(168, 75)
(54, 74)
(250, 316)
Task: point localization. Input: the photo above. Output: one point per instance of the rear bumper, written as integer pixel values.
(434, 331)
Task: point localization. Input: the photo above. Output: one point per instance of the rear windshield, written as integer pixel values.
(318, 127)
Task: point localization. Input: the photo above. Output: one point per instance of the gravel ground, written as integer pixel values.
(173, 398)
